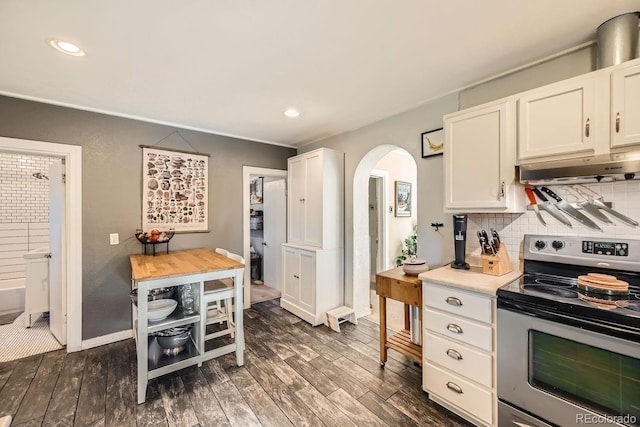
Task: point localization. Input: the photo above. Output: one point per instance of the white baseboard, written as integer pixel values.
(107, 339)
(363, 313)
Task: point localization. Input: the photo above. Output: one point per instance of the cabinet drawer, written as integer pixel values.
(469, 397)
(458, 302)
(459, 358)
(459, 328)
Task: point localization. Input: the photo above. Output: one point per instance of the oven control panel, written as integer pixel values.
(605, 248)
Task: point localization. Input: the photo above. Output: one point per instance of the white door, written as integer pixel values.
(274, 232)
(57, 276)
(308, 283)
(313, 208)
(557, 120)
(625, 107)
(475, 142)
(297, 173)
(291, 275)
(373, 228)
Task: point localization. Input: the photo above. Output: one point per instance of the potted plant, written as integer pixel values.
(410, 249)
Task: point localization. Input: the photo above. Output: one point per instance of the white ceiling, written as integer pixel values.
(232, 66)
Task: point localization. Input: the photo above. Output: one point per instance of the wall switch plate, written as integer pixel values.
(114, 238)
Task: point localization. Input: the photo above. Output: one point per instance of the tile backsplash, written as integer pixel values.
(624, 196)
(24, 197)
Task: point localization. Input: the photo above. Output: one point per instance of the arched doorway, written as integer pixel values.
(358, 295)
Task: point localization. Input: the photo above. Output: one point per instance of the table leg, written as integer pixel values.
(383, 331)
(407, 320)
(239, 277)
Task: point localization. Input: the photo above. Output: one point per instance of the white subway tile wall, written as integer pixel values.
(24, 211)
(25, 198)
(625, 198)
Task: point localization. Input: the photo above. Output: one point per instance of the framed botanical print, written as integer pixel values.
(432, 143)
(174, 190)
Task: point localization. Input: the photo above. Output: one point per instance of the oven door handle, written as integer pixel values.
(602, 326)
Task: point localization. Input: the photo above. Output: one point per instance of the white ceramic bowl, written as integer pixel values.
(415, 266)
(160, 308)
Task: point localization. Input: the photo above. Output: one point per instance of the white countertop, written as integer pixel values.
(473, 279)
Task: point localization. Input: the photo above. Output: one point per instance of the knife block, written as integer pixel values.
(498, 264)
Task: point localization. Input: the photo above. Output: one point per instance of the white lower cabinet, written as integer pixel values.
(459, 352)
(312, 282)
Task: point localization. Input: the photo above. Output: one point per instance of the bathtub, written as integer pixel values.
(11, 296)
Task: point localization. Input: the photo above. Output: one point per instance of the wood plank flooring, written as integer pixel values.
(294, 375)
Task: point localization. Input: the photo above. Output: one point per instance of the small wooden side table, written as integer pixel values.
(396, 285)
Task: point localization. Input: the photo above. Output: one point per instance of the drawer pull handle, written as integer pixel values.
(454, 354)
(454, 301)
(618, 123)
(455, 387)
(452, 327)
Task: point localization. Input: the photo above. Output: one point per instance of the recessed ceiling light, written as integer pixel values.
(291, 113)
(66, 47)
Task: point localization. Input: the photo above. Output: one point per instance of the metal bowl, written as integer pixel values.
(154, 294)
(173, 340)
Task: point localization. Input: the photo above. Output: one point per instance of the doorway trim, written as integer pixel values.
(384, 213)
(247, 171)
(357, 292)
(72, 155)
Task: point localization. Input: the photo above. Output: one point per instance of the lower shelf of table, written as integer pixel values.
(401, 342)
(160, 363)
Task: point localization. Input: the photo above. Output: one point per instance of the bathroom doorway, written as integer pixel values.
(68, 259)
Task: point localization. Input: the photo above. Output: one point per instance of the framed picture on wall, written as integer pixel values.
(403, 198)
(255, 190)
(432, 143)
(174, 190)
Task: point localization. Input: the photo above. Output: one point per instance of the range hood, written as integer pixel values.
(617, 41)
(604, 168)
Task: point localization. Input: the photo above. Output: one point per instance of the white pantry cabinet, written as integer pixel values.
(315, 202)
(312, 282)
(625, 107)
(558, 119)
(313, 257)
(479, 160)
(459, 351)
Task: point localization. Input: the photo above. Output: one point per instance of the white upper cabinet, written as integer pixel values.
(625, 107)
(316, 199)
(479, 160)
(315, 202)
(594, 114)
(557, 120)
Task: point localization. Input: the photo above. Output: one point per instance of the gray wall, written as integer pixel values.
(403, 130)
(111, 193)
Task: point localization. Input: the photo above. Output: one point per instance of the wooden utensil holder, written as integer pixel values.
(498, 264)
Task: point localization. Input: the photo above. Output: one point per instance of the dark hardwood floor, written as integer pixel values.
(294, 375)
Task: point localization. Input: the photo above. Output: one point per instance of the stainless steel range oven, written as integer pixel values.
(568, 332)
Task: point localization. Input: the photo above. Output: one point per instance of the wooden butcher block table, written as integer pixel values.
(396, 285)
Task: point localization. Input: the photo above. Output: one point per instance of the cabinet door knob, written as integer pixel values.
(454, 301)
(452, 327)
(454, 354)
(618, 123)
(455, 387)
(586, 128)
